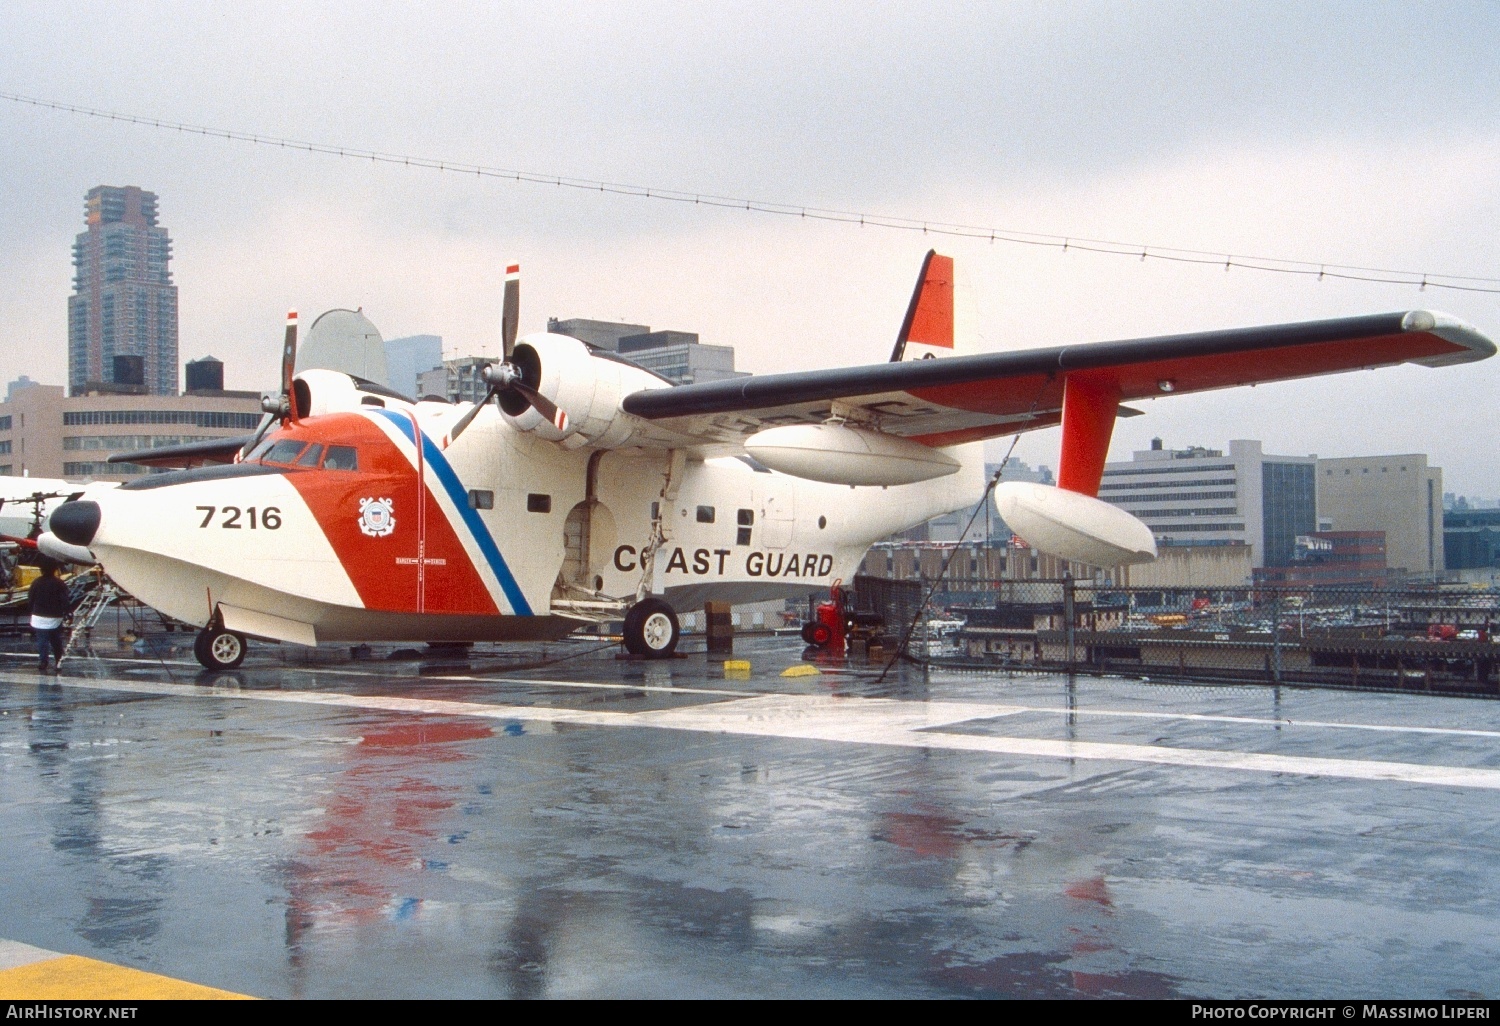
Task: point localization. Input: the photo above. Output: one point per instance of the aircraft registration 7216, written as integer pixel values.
(584, 488)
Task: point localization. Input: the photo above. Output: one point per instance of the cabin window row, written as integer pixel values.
(484, 498)
(707, 515)
(744, 521)
(287, 452)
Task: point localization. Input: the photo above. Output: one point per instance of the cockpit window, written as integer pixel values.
(311, 456)
(341, 457)
(259, 451)
(284, 451)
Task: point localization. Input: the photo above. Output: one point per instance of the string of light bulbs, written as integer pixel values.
(1139, 251)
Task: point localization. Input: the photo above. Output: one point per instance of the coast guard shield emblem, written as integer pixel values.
(376, 518)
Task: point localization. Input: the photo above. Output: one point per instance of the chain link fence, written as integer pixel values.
(1429, 639)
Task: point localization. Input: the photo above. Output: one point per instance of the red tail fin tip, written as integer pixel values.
(929, 318)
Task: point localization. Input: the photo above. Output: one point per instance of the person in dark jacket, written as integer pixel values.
(50, 605)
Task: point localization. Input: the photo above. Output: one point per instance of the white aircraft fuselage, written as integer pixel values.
(501, 536)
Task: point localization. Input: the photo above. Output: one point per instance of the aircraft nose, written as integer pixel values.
(76, 522)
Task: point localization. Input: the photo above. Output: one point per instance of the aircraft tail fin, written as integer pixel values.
(928, 329)
(936, 325)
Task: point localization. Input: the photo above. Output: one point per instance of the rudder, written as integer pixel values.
(927, 330)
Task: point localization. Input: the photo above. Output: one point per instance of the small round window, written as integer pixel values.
(822, 522)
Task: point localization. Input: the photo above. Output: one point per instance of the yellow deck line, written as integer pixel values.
(75, 978)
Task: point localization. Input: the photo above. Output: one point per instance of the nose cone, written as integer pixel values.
(75, 522)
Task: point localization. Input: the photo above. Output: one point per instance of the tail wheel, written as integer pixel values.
(218, 649)
(651, 629)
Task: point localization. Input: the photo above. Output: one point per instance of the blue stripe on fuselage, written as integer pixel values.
(434, 458)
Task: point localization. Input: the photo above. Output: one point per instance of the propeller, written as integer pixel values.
(510, 310)
(281, 407)
(508, 378)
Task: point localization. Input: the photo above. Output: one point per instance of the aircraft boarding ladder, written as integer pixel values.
(87, 614)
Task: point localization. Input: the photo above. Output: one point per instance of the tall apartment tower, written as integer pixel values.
(122, 316)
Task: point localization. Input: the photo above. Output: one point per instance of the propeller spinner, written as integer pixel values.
(508, 378)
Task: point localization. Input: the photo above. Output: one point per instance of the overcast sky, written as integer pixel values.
(1359, 133)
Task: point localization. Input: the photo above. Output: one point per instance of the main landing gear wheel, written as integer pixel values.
(218, 649)
(651, 629)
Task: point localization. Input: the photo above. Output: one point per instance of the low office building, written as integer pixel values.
(458, 381)
(971, 567)
(1400, 495)
(45, 433)
(1353, 559)
(1471, 539)
(599, 334)
(1199, 498)
(677, 356)
(1190, 567)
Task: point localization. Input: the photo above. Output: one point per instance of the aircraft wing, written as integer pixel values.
(188, 454)
(966, 398)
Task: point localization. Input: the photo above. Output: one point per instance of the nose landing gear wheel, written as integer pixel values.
(651, 629)
(218, 649)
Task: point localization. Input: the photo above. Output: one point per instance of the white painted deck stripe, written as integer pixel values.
(595, 685)
(14, 954)
(1006, 710)
(1011, 710)
(877, 721)
(1399, 728)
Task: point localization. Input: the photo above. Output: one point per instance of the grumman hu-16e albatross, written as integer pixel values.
(591, 489)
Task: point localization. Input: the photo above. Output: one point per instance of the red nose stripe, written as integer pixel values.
(392, 570)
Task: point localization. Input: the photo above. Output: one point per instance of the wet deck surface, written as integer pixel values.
(603, 828)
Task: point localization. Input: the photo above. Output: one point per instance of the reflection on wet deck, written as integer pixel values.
(628, 829)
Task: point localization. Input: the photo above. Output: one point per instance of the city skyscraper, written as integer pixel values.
(122, 316)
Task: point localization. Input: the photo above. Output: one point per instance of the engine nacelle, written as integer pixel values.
(1074, 526)
(327, 391)
(840, 454)
(588, 388)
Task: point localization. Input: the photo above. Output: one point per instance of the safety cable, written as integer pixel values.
(542, 663)
(1318, 270)
(984, 504)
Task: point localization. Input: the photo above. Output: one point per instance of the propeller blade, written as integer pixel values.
(544, 406)
(507, 377)
(510, 313)
(260, 432)
(289, 364)
(463, 422)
